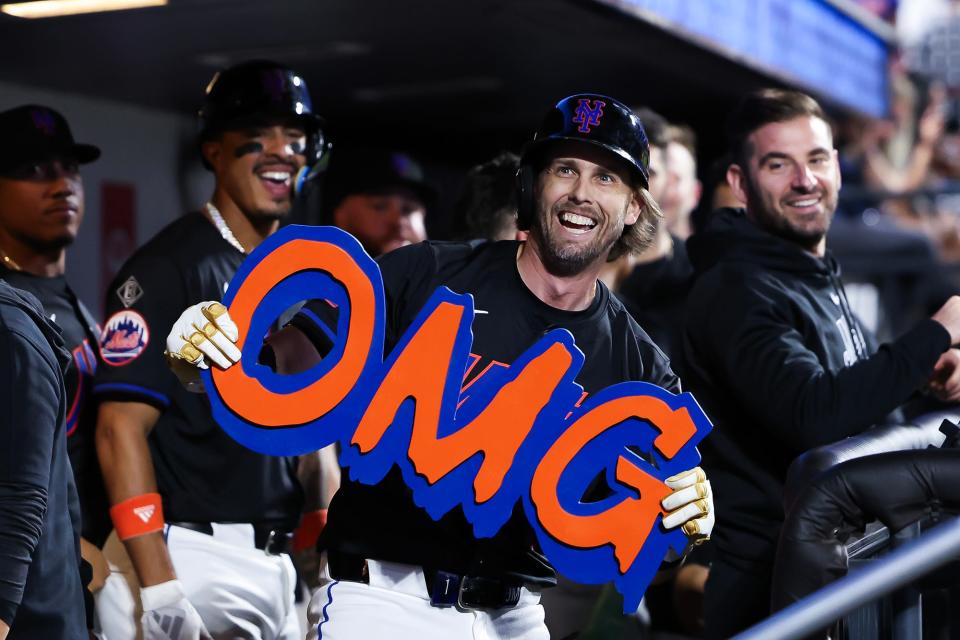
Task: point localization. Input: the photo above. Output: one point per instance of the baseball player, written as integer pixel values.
(379, 197)
(41, 209)
(206, 522)
(584, 199)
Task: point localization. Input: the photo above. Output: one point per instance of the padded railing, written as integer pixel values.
(936, 429)
(894, 475)
(817, 611)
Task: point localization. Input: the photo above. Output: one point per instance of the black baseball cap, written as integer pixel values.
(33, 133)
(356, 170)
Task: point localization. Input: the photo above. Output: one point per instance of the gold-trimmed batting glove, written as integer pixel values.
(203, 334)
(690, 506)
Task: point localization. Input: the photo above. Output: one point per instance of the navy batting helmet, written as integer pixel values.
(250, 91)
(591, 119)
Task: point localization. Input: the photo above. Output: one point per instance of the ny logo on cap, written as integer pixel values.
(44, 121)
(401, 164)
(588, 114)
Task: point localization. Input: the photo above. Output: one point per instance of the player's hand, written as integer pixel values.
(168, 615)
(690, 506)
(945, 381)
(203, 334)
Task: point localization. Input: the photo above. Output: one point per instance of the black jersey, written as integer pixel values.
(80, 335)
(202, 473)
(382, 521)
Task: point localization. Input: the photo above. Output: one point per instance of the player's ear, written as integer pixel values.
(737, 179)
(635, 207)
(211, 150)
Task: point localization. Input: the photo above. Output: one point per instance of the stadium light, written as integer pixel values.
(55, 8)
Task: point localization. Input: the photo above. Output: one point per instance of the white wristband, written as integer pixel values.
(162, 595)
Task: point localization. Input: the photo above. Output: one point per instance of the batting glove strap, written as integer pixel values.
(164, 594)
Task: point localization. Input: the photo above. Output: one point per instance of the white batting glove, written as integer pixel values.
(690, 506)
(204, 333)
(168, 615)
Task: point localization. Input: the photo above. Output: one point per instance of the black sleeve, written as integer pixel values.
(30, 397)
(659, 372)
(653, 365)
(407, 275)
(130, 363)
(746, 338)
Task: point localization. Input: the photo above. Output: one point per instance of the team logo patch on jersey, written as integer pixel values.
(588, 114)
(129, 292)
(124, 338)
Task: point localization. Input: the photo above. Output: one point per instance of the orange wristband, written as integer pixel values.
(311, 524)
(137, 516)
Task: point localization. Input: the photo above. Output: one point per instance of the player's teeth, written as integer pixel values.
(804, 203)
(573, 218)
(279, 176)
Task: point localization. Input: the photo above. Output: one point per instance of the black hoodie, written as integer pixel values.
(40, 586)
(780, 364)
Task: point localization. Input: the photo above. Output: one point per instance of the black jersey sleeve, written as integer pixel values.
(407, 275)
(30, 397)
(659, 372)
(143, 302)
(651, 363)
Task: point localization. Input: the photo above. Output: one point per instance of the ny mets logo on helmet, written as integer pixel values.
(588, 114)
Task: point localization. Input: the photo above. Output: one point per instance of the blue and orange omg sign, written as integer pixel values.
(518, 436)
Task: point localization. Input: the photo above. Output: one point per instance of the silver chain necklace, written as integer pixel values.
(222, 227)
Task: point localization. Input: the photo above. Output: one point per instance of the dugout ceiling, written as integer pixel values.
(445, 78)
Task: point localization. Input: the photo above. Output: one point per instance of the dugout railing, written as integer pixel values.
(840, 572)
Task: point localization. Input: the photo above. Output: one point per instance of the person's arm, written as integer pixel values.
(98, 564)
(293, 351)
(747, 339)
(881, 172)
(30, 391)
(121, 437)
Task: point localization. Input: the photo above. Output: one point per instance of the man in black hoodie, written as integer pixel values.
(41, 592)
(774, 352)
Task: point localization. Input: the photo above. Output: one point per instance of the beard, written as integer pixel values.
(566, 260)
(779, 225)
(45, 245)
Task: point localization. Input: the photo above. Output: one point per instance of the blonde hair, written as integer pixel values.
(637, 236)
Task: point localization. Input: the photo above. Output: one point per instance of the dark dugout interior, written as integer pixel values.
(453, 83)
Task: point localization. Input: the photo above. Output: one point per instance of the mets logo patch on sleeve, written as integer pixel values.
(125, 336)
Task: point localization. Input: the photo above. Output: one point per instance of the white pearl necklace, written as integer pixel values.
(222, 227)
